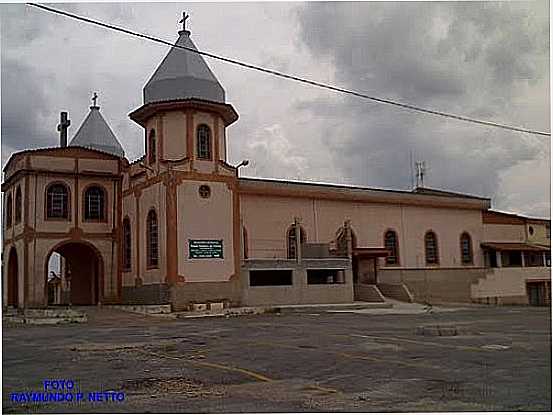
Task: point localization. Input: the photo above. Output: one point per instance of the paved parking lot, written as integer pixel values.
(293, 362)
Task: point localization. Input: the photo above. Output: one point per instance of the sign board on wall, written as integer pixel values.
(205, 248)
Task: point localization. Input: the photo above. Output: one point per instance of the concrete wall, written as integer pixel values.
(508, 284)
(182, 294)
(435, 285)
(539, 236)
(299, 292)
(267, 220)
(504, 232)
(210, 218)
(146, 294)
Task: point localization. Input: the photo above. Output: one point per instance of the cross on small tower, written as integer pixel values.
(62, 128)
(183, 21)
(94, 99)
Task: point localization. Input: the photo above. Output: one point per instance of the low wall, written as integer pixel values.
(182, 294)
(508, 285)
(145, 294)
(299, 292)
(435, 285)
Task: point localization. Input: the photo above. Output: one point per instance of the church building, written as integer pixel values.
(180, 226)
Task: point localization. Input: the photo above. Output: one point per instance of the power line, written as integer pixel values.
(292, 77)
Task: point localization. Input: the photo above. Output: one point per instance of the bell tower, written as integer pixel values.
(184, 117)
(184, 113)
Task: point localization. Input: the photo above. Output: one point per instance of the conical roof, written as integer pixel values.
(183, 75)
(95, 133)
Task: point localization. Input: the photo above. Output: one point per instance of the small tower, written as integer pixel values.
(95, 133)
(184, 113)
(184, 117)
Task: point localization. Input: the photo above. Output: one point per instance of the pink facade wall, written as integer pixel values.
(504, 232)
(199, 218)
(267, 220)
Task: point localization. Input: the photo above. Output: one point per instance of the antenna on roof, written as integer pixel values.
(421, 172)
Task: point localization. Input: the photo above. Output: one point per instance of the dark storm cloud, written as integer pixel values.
(23, 118)
(485, 60)
(474, 59)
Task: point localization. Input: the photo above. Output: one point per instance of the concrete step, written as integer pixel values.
(357, 305)
(38, 316)
(396, 291)
(368, 293)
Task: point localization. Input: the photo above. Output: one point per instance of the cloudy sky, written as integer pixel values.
(485, 60)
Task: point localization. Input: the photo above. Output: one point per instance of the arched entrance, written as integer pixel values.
(79, 279)
(13, 278)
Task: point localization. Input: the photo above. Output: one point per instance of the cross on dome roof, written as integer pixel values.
(183, 74)
(95, 133)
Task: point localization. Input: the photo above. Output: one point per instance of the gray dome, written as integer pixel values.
(183, 75)
(95, 133)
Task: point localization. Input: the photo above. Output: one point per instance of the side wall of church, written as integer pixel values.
(496, 232)
(267, 220)
(144, 284)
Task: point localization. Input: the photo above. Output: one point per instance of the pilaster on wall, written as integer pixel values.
(190, 137)
(170, 182)
(297, 234)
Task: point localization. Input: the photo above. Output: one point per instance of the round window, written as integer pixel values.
(204, 191)
(531, 230)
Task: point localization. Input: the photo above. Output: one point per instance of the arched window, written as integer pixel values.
(18, 206)
(57, 201)
(245, 241)
(95, 203)
(152, 147)
(203, 144)
(292, 243)
(9, 210)
(391, 244)
(127, 244)
(152, 239)
(431, 248)
(466, 249)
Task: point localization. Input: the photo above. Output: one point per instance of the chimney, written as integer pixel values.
(62, 128)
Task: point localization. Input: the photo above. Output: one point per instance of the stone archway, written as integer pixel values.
(82, 274)
(13, 278)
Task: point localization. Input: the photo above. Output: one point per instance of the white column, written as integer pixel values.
(522, 258)
(498, 259)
